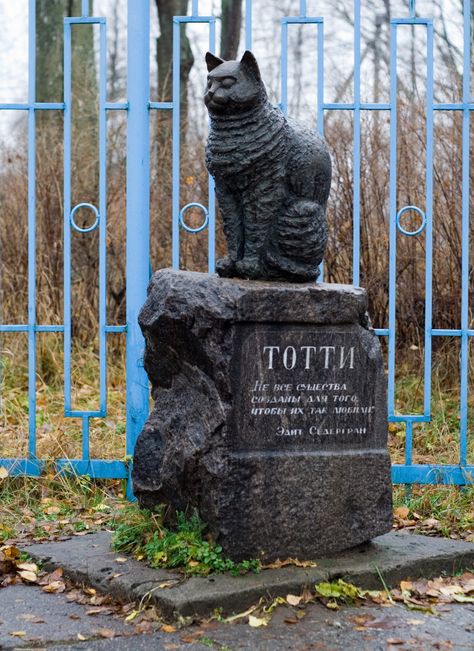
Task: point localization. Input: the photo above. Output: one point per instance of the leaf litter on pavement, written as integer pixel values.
(430, 596)
(14, 569)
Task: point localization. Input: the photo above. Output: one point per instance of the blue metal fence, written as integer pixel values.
(138, 108)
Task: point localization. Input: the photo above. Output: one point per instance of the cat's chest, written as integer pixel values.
(244, 151)
(245, 162)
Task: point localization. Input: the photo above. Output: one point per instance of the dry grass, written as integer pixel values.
(58, 436)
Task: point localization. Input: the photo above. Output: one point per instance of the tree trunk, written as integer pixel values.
(164, 52)
(231, 24)
(49, 88)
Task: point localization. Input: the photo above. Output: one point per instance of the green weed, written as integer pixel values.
(143, 533)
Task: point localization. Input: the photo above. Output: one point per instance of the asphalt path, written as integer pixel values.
(49, 621)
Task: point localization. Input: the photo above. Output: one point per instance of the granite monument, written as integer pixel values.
(269, 392)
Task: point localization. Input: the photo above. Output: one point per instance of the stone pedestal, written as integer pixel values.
(270, 414)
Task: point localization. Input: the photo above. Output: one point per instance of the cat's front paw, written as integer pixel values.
(225, 267)
(249, 267)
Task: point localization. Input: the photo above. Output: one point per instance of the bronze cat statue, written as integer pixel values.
(272, 178)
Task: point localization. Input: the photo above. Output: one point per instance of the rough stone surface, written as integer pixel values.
(393, 556)
(270, 414)
(272, 178)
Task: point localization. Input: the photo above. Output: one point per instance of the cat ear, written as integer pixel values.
(250, 64)
(212, 61)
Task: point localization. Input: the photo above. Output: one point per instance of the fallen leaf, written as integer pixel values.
(450, 590)
(406, 585)
(52, 510)
(99, 610)
(339, 589)
(54, 576)
(256, 622)
(3, 472)
(401, 512)
(463, 599)
(289, 561)
(74, 616)
(28, 567)
(293, 600)
(332, 605)
(143, 628)
(28, 617)
(233, 618)
(10, 552)
(132, 615)
(169, 584)
(167, 628)
(81, 637)
(29, 577)
(393, 640)
(90, 591)
(18, 633)
(108, 633)
(121, 559)
(54, 586)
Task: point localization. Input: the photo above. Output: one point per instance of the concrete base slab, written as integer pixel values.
(391, 558)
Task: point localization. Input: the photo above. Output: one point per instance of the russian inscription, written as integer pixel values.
(303, 387)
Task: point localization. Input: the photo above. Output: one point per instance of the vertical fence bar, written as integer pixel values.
(32, 230)
(320, 87)
(392, 275)
(85, 8)
(248, 24)
(284, 67)
(138, 186)
(429, 221)
(67, 212)
(103, 218)
(85, 438)
(356, 153)
(408, 443)
(176, 163)
(466, 98)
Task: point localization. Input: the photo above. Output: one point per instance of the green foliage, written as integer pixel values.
(339, 591)
(142, 532)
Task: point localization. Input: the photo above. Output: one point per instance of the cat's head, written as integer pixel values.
(233, 86)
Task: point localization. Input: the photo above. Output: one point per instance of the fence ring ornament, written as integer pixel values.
(200, 228)
(420, 228)
(89, 228)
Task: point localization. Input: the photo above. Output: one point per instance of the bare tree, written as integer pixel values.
(230, 31)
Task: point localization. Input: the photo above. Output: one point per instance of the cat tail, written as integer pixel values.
(296, 246)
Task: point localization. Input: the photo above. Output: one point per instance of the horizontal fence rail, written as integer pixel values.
(138, 108)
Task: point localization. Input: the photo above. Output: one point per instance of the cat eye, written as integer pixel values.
(227, 82)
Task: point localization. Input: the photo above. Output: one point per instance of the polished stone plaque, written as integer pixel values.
(304, 387)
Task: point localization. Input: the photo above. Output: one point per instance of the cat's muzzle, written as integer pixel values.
(214, 103)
